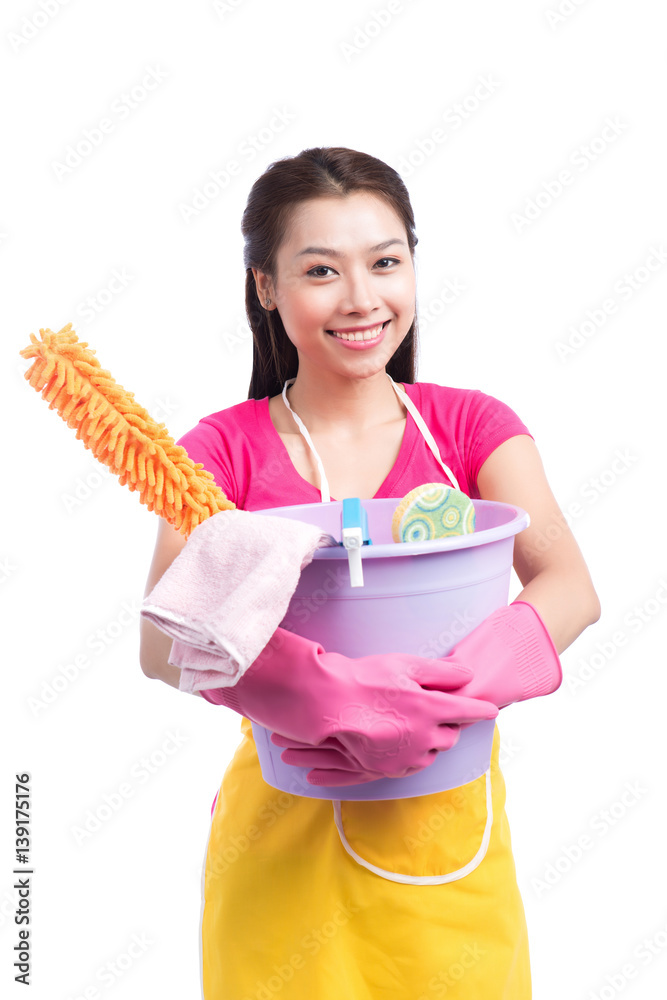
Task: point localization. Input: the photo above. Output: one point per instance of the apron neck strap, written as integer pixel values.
(410, 407)
(324, 482)
(421, 424)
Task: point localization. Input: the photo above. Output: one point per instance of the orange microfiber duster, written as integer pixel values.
(120, 432)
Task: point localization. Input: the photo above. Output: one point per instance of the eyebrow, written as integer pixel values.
(328, 252)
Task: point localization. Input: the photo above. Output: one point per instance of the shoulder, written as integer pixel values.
(232, 423)
(475, 422)
(224, 442)
(237, 416)
(469, 403)
(431, 392)
(456, 405)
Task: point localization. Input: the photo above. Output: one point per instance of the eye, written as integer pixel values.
(320, 267)
(325, 267)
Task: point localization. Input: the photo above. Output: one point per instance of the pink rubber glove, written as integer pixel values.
(390, 713)
(512, 657)
(332, 764)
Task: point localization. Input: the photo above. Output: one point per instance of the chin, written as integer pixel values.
(367, 367)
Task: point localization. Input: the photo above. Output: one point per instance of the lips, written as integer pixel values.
(360, 336)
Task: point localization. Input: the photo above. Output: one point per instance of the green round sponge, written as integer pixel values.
(432, 510)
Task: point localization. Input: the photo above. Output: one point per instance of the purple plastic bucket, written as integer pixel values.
(418, 597)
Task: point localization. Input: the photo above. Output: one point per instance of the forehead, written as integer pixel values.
(352, 222)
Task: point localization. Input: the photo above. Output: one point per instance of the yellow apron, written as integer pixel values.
(406, 899)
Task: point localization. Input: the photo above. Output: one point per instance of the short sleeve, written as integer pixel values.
(489, 422)
(205, 444)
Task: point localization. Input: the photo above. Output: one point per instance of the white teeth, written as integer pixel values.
(360, 334)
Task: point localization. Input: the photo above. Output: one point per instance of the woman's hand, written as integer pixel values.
(511, 658)
(332, 765)
(390, 713)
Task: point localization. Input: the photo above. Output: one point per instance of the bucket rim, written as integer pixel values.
(519, 520)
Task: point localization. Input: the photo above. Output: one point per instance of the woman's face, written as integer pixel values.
(345, 286)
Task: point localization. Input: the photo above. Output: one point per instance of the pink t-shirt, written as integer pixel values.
(241, 448)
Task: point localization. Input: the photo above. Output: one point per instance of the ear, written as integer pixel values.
(264, 286)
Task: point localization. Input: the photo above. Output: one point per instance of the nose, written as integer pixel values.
(359, 293)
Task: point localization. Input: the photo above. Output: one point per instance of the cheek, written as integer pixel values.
(307, 315)
(302, 320)
(407, 288)
(308, 309)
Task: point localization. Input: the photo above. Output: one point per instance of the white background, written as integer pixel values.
(76, 547)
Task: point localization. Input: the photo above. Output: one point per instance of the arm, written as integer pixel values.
(513, 653)
(155, 646)
(547, 559)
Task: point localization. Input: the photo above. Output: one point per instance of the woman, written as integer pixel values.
(330, 296)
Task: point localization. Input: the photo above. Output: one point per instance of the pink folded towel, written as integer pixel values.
(227, 592)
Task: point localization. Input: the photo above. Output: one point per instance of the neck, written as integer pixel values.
(334, 404)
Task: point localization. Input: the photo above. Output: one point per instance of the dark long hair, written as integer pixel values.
(331, 171)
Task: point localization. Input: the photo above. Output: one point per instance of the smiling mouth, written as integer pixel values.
(371, 334)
